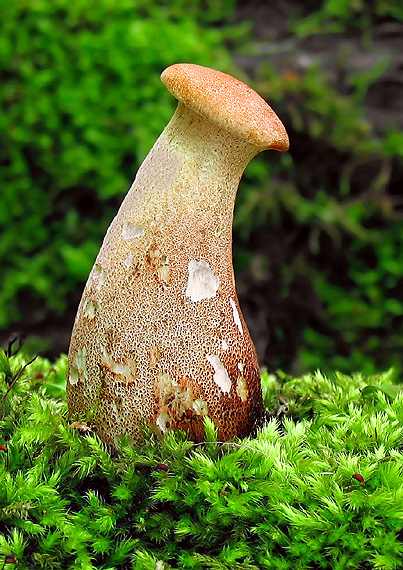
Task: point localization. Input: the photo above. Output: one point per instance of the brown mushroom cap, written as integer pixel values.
(227, 102)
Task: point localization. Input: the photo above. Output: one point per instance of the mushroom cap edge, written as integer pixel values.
(226, 101)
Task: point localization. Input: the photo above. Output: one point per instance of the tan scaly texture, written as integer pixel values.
(159, 337)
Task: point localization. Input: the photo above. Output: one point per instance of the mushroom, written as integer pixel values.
(159, 336)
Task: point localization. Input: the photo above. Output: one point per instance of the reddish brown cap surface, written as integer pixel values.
(227, 102)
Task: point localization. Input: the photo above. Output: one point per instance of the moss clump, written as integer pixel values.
(321, 486)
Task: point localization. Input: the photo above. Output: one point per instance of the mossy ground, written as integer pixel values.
(320, 486)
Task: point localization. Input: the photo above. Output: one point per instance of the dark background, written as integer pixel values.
(318, 231)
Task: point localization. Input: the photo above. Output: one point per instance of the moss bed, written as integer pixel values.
(319, 487)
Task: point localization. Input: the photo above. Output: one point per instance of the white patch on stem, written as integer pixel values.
(99, 276)
(235, 313)
(242, 388)
(200, 407)
(131, 231)
(164, 422)
(220, 377)
(129, 260)
(202, 283)
(128, 372)
(91, 308)
(78, 369)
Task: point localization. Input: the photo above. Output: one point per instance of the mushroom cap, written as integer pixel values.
(227, 102)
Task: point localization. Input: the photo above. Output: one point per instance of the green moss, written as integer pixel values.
(289, 498)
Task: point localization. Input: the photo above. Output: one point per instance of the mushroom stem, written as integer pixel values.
(196, 168)
(159, 336)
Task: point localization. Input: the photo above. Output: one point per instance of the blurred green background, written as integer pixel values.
(318, 231)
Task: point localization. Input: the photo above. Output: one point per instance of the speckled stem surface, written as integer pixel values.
(159, 337)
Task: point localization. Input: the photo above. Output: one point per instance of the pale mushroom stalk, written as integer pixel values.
(159, 337)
